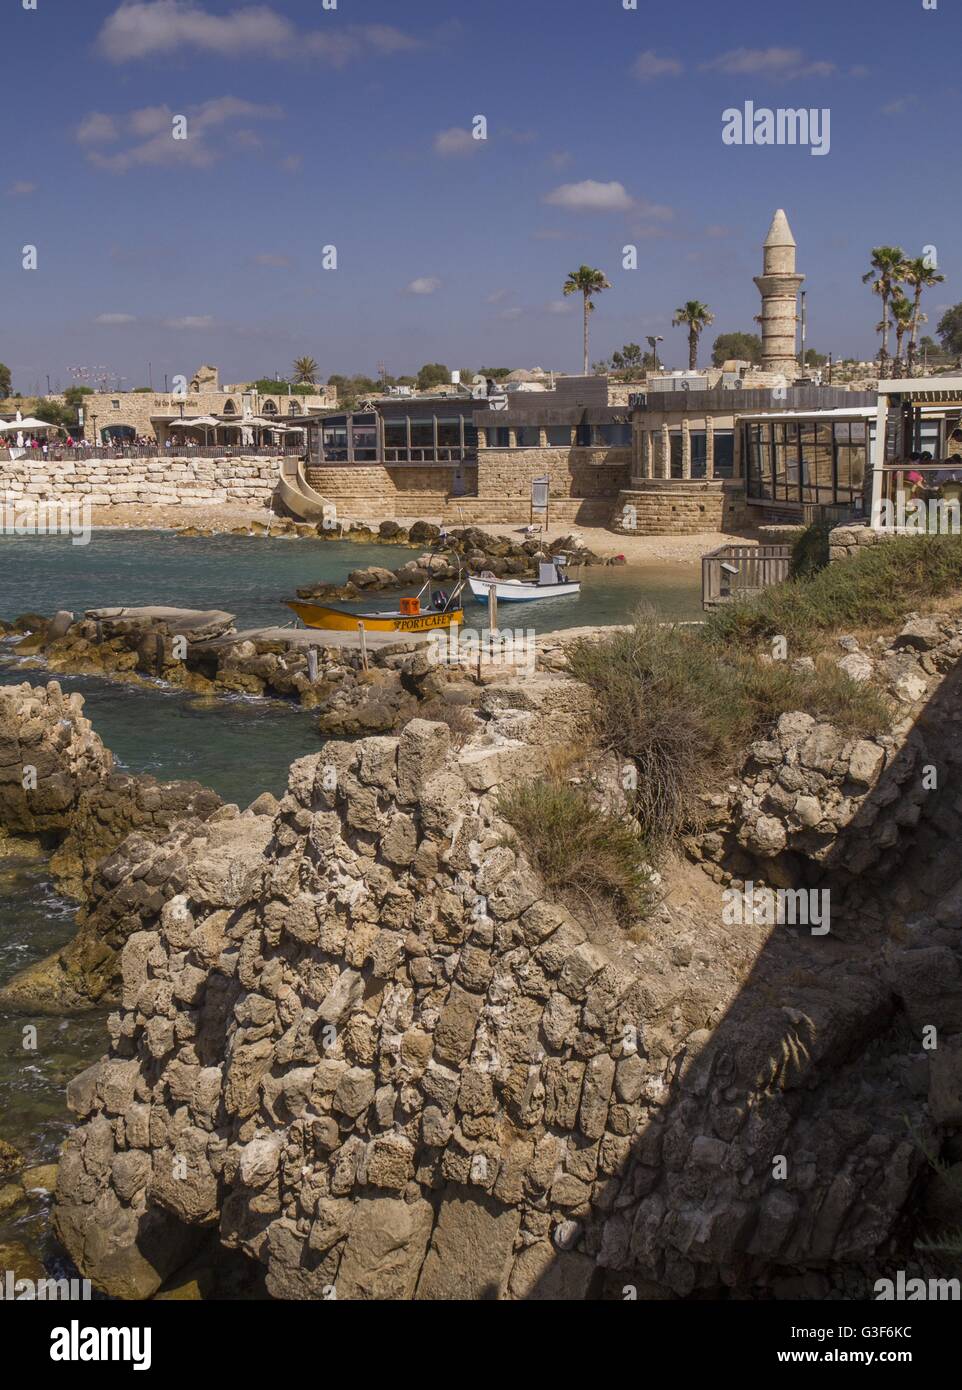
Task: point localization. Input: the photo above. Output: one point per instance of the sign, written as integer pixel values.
(539, 494)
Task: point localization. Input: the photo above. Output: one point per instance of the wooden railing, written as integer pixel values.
(737, 571)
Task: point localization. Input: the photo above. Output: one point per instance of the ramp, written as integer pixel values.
(298, 497)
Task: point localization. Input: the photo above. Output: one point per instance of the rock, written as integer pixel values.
(866, 763)
(385, 1249)
(768, 837)
(910, 688)
(921, 634)
(11, 1160)
(471, 1251)
(857, 666)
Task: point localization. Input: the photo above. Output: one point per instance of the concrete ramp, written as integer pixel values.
(298, 497)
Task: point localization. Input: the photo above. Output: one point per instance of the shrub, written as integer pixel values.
(575, 844)
(685, 711)
(873, 589)
(810, 551)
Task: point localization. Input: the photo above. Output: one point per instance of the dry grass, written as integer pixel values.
(574, 844)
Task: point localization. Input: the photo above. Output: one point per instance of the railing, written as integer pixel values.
(63, 454)
(737, 571)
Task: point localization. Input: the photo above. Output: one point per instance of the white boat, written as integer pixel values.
(552, 582)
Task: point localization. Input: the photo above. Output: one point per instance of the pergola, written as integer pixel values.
(904, 403)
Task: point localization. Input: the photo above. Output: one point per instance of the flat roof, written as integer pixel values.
(930, 386)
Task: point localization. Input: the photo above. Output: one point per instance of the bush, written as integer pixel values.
(575, 844)
(685, 712)
(874, 589)
(810, 551)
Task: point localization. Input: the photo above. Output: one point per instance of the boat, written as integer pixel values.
(440, 610)
(321, 615)
(552, 582)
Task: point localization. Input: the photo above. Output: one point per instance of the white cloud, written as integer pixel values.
(21, 189)
(590, 196)
(150, 131)
(455, 140)
(97, 129)
(425, 284)
(497, 297)
(769, 62)
(115, 320)
(510, 314)
(649, 66)
(269, 258)
(191, 321)
(558, 306)
(158, 28)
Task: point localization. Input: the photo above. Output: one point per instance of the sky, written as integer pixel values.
(350, 124)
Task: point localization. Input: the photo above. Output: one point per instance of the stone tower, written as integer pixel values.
(778, 285)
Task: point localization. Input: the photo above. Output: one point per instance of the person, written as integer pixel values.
(45, 450)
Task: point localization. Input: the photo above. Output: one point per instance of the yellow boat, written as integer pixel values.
(318, 615)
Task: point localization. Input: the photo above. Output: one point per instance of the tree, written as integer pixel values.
(949, 329)
(587, 282)
(5, 380)
(496, 373)
(903, 316)
(628, 360)
(886, 272)
(812, 358)
(921, 276)
(738, 346)
(432, 374)
(696, 316)
(305, 370)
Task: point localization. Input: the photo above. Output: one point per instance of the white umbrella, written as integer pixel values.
(29, 424)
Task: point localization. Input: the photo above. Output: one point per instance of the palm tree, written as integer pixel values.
(697, 316)
(920, 275)
(588, 282)
(887, 270)
(903, 316)
(305, 370)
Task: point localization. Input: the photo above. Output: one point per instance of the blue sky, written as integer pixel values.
(351, 127)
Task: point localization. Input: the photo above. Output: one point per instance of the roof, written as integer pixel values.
(852, 412)
(780, 233)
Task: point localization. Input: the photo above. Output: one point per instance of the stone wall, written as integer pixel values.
(665, 507)
(572, 473)
(173, 481)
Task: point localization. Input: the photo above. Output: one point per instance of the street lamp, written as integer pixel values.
(653, 341)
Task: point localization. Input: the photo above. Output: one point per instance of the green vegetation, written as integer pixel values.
(695, 316)
(810, 552)
(575, 844)
(878, 587)
(949, 329)
(305, 371)
(588, 283)
(5, 380)
(433, 374)
(741, 346)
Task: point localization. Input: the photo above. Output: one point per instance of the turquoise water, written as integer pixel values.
(238, 746)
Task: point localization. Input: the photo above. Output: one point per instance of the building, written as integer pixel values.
(778, 285)
(126, 415)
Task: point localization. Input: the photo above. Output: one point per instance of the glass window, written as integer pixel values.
(396, 435)
(498, 437)
(422, 434)
(699, 454)
(470, 435)
(675, 442)
(528, 436)
(559, 436)
(449, 434)
(612, 436)
(724, 466)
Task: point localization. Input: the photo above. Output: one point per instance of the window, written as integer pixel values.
(449, 434)
(559, 436)
(395, 439)
(292, 407)
(612, 436)
(499, 436)
(115, 405)
(230, 408)
(270, 407)
(422, 434)
(528, 436)
(724, 466)
(674, 440)
(699, 454)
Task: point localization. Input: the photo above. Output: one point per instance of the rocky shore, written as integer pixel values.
(357, 1040)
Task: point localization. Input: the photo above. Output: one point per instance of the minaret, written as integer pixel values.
(778, 285)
